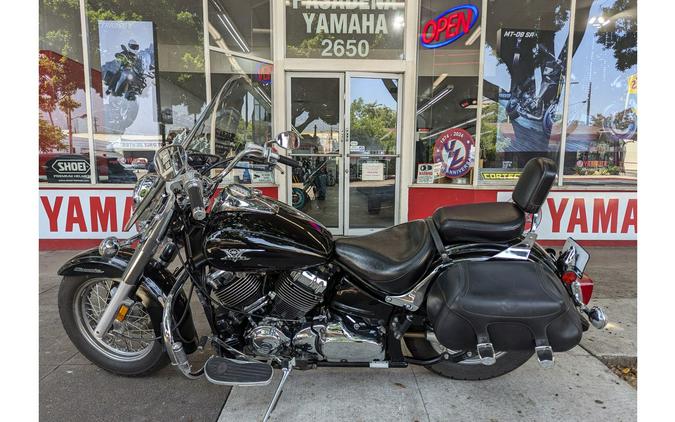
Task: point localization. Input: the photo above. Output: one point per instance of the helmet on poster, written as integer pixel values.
(133, 45)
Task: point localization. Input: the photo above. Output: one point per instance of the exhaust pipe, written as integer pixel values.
(597, 317)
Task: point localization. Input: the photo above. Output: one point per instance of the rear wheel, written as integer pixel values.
(469, 368)
(130, 348)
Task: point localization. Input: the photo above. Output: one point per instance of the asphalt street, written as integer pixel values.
(579, 387)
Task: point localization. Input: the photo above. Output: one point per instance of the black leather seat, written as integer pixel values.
(498, 221)
(391, 260)
(488, 222)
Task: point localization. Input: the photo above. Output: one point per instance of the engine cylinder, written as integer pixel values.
(297, 293)
(236, 289)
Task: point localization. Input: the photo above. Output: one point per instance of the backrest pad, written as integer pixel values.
(534, 184)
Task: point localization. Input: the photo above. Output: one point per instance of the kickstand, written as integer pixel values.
(286, 369)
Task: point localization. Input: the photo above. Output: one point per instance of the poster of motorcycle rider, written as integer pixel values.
(535, 60)
(128, 71)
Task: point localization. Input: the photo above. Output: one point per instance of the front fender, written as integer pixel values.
(156, 281)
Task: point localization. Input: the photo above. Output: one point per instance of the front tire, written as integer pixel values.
(470, 369)
(131, 349)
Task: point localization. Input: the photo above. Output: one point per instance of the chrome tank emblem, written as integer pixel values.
(236, 255)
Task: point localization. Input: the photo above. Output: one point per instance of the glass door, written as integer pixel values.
(371, 152)
(315, 111)
(349, 129)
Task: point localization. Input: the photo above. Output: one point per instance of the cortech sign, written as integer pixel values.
(345, 29)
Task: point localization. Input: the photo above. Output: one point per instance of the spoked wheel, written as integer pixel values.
(469, 366)
(131, 347)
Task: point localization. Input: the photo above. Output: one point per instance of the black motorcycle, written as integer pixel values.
(468, 290)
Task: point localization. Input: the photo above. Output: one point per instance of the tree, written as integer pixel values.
(373, 125)
(620, 34)
(56, 90)
(50, 136)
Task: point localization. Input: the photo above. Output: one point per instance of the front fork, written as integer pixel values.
(131, 277)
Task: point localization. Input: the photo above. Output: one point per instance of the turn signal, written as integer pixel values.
(122, 313)
(569, 277)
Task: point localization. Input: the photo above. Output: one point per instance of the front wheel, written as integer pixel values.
(130, 348)
(469, 368)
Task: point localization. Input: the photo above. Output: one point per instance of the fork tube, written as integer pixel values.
(134, 270)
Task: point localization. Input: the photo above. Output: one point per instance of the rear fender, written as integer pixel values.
(156, 283)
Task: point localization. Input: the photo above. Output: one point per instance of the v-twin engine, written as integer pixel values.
(292, 324)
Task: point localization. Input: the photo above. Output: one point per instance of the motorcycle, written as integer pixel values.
(468, 291)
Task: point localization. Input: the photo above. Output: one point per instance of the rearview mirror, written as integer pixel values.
(288, 140)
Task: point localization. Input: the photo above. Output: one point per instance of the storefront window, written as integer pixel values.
(147, 76)
(240, 26)
(372, 29)
(601, 145)
(245, 110)
(63, 142)
(447, 87)
(524, 78)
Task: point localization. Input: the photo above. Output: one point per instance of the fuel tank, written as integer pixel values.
(249, 232)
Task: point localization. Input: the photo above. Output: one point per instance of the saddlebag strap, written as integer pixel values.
(437, 240)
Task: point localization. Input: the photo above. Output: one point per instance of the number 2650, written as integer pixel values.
(341, 48)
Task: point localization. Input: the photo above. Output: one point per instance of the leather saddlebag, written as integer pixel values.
(503, 306)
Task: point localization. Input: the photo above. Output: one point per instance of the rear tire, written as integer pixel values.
(467, 370)
(150, 357)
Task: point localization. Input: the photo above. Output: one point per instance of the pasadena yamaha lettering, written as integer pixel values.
(349, 27)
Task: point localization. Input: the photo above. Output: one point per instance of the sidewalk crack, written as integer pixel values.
(419, 391)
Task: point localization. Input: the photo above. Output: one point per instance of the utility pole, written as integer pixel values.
(588, 104)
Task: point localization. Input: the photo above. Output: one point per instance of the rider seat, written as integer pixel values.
(391, 260)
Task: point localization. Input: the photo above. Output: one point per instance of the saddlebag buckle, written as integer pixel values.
(486, 353)
(545, 356)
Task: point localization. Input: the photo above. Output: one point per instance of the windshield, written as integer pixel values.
(239, 113)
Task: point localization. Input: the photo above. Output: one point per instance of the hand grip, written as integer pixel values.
(289, 161)
(194, 190)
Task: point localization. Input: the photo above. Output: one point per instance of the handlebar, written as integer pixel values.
(289, 161)
(194, 190)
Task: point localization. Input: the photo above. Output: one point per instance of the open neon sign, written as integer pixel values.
(449, 26)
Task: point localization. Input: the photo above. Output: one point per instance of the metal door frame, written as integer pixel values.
(346, 154)
(339, 230)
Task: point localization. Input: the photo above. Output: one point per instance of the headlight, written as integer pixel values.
(147, 196)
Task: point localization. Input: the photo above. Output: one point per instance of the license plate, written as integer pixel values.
(582, 256)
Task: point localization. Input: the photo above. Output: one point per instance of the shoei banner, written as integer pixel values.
(84, 213)
(587, 215)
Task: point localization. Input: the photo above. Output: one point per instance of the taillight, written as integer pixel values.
(569, 277)
(586, 288)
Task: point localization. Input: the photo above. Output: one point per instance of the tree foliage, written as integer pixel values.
(373, 125)
(620, 34)
(50, 136)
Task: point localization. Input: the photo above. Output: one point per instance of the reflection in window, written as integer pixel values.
(447, 87)
(243, 113)
(239, 26)
(63, 142)
(147, 76)
(315, 114)
(601, 145)
(524, 79)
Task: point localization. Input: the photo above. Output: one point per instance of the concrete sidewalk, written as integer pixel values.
(579, 387)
